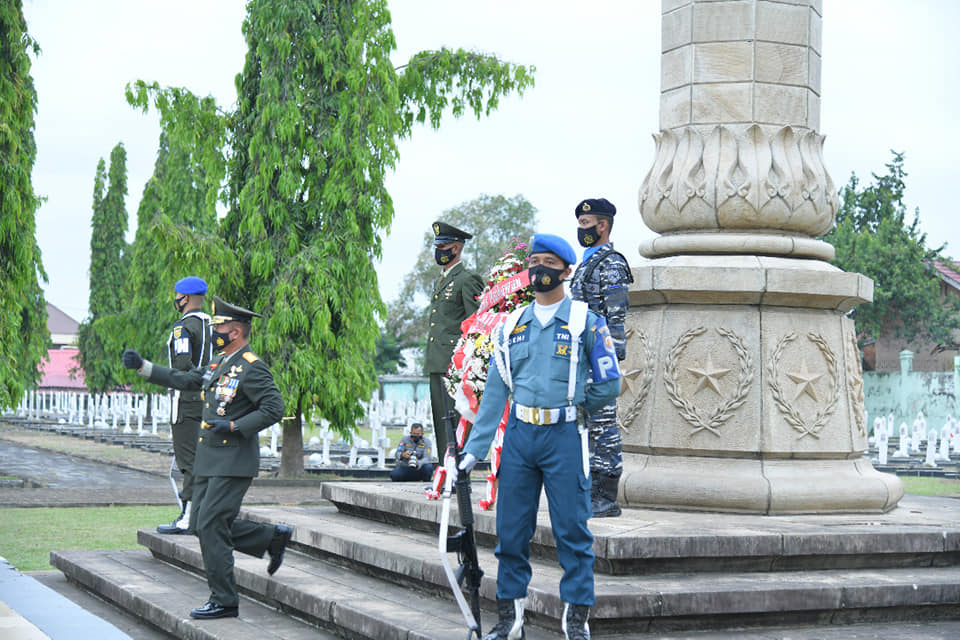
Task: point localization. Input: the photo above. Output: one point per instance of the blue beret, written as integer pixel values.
(597, 207)
(191, 285)
(549, 243)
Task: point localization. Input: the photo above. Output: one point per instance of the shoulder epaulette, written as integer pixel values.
(249, 356)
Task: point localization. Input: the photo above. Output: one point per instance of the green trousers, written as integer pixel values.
(185, 433)
(216, 503)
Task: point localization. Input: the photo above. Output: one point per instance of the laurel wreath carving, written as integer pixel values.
(789, 411)
(688, 411)
(646, 381)
(855, 378)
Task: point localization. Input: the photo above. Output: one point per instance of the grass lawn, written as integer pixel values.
(930, 486)
(28, 535)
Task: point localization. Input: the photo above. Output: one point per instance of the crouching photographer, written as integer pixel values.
(414, 457)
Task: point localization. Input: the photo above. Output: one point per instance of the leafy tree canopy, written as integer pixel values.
(319, 114)
(494, 221)
(23, 311)
(875, 236)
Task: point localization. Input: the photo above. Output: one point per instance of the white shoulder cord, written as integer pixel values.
(576, 324)
(501, 348)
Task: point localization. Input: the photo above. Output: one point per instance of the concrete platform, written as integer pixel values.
(360, 569)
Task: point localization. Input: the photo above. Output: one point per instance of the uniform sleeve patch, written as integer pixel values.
(250, 357)
(177, 331)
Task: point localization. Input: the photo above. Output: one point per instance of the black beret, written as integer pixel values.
(597, 207)
(444, 233)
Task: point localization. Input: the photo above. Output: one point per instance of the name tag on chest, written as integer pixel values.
(561, 342)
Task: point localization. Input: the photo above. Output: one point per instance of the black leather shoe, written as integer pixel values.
(213, 610)
(281, 536)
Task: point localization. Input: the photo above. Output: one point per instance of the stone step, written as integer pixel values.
(408, 561)
(306, 596)
(163, 595)
(920, 533)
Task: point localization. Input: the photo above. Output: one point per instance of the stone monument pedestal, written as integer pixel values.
(743, 390)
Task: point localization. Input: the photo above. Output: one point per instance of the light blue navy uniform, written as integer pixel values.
(548, 455)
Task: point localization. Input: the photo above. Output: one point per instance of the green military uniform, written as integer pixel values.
(456, 296)
(238, 388)
(188, 347)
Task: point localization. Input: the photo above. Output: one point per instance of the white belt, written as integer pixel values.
(536, 415)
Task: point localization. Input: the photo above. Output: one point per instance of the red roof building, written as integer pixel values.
(62, 369)
(58, 370)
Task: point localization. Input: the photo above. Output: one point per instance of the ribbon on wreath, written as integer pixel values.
(483, 323)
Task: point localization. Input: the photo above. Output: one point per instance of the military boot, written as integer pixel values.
(603, 495)
(575, 625)
(180, 525)
(510, 623)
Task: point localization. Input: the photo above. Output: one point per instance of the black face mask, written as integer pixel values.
(443, 256)
(220, 340)
(180, 304)
(416, 439)
(588, 237)
(544, 278)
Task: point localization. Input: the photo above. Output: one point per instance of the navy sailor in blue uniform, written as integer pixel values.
(602, 280)
(551, 358)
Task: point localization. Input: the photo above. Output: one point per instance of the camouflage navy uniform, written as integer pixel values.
(602, 281)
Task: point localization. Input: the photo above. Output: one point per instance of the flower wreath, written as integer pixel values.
(507, 287)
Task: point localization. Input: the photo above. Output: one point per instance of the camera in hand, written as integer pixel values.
(413, 460)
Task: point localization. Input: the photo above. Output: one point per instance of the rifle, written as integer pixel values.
(463, 542)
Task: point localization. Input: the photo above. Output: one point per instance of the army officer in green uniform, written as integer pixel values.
(456, 295)
(240, 399)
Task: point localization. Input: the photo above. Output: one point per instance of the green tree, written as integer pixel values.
(320, 112)
(495, 222)
(873, 235)
(108, 273)
(23, 312)
(177, 226)
(388, 357)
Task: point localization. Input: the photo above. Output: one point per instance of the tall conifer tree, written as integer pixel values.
(99, 332)
(23, 312)
(320, 111)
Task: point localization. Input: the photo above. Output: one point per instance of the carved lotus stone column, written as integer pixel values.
(743, 389)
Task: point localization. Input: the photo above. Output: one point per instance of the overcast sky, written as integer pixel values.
(890, 81)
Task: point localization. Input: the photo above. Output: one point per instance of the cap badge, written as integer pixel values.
(436, 229)
(585, 207)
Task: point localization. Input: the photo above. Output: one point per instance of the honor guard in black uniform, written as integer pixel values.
(239, 399)
(188, 347)
(456, 295)
(602, 280)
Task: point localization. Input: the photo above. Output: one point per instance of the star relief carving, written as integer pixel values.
(708, 375)
(633, 380)
(804, 379)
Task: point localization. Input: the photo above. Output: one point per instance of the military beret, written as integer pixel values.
(191, 285)
(549, 243)
(225, 312)
(597, 207)
(444, 233)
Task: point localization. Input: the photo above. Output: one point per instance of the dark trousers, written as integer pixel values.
(549, 457)
(403, 472)
(185, 433)
(438, 392)
(216, 503)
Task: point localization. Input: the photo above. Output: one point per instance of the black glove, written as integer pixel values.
(132, 359)
(220, 426)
